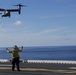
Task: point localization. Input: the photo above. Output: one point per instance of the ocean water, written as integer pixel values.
(43, 53)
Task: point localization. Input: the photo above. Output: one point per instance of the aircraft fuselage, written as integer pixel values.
(6, 14)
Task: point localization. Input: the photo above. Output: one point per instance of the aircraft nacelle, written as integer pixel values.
(19, 11)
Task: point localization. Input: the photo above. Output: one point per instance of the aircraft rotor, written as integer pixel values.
(20, 5)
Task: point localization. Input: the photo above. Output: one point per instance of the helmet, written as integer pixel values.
(15, 47)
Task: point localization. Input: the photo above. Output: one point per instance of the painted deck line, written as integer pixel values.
(74, 68)
(3, 65)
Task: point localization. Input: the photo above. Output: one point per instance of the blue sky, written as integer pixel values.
(41, 23)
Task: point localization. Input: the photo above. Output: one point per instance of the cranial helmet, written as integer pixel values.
(15, 47)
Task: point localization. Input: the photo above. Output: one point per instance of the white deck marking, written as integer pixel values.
(72, 68)
(5, 65)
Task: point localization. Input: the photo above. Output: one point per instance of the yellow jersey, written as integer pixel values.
(15, 53)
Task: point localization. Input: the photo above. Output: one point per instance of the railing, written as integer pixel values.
(41, 61)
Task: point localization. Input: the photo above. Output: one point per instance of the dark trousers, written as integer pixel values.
(15, 61)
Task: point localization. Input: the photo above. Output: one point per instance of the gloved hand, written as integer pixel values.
(22, 47)
(6, 48)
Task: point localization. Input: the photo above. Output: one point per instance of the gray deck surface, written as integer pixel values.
(38, 69)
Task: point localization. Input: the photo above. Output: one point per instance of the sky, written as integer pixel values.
(41, 23)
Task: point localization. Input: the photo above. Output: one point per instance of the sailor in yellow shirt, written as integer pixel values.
(15, 56)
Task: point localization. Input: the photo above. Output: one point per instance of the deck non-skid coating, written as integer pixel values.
(41, 70)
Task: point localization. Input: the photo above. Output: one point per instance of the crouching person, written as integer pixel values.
(15, 56)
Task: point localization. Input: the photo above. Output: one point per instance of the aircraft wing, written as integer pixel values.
(12, 10)
(2, 9)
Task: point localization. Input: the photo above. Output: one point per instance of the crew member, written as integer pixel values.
(15, 56)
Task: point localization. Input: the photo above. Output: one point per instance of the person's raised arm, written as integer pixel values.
(20, 50)
(8, 50)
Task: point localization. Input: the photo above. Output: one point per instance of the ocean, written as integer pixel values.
(43, 53)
